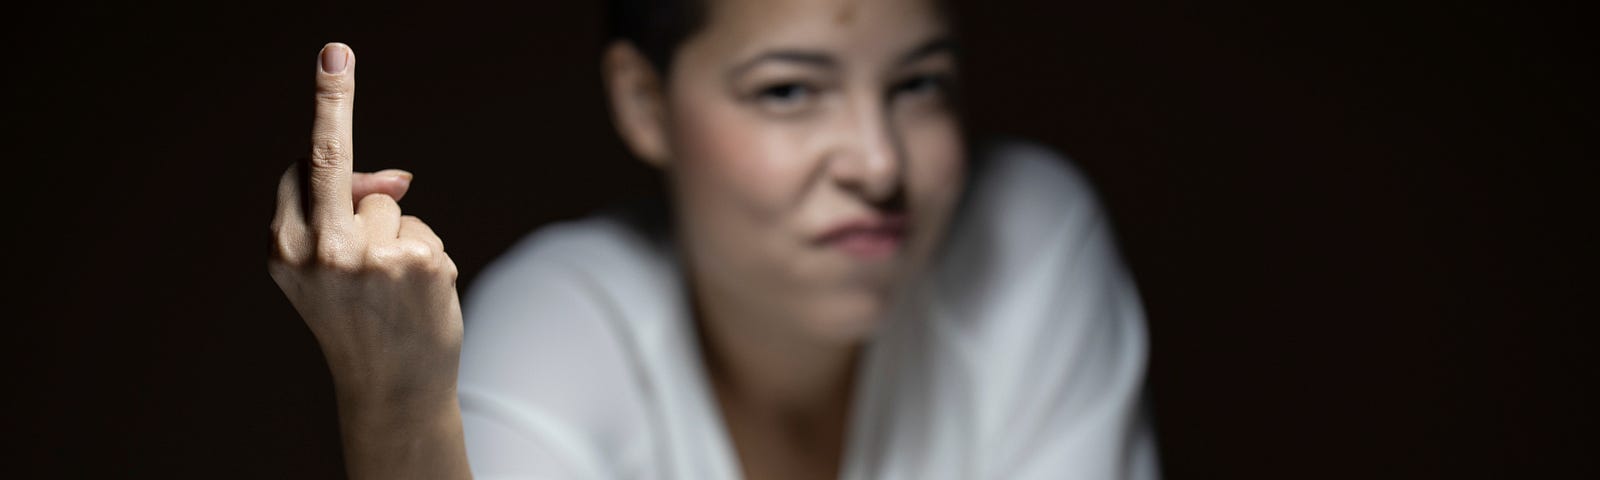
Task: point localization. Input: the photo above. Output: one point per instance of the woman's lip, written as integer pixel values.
(871, 237)
(877, 244)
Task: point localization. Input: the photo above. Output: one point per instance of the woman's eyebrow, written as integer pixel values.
(929, 48)
(937, 45)
(808, 57)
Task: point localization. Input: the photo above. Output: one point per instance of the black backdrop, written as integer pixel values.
(1357, 227)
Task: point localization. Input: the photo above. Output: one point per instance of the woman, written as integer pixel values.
(835, 290)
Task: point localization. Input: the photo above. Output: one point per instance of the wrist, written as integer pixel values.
(403, 437)
(386, 386)
(378, 405)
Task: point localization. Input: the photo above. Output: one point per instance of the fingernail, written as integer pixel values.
(335, 57)
(397, 174)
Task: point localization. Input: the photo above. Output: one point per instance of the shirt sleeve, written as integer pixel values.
(1079, 414)
(1061, 346)
(543, 383)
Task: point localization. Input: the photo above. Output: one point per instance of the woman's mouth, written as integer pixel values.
(868, 237)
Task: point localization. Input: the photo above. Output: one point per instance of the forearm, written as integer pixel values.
(400, 439)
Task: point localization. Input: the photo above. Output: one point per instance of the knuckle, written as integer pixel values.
(415, 251)
(335, 253)
(288, 182)
(422, 232)
(284, 222)
(402, 255)
(444, 268)
(332, 91)
(380, 202)
(287, 247)
(328, 150)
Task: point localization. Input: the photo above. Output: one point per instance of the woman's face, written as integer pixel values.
(815, 157)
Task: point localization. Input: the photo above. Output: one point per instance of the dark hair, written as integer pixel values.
(655, 27)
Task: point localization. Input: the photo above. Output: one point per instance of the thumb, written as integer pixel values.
(393, 183)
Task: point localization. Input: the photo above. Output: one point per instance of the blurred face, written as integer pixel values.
(815, 157)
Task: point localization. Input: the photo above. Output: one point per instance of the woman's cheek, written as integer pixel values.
(935, 174)
(737, 168)
(937, 154)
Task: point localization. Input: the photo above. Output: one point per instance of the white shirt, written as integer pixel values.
(1023, 358)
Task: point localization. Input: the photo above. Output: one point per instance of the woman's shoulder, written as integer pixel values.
(588, 280)
(1021, 199)
(625, 247)
(1027, 185)
(550, 358)
(1041, 312)
(1031, 251)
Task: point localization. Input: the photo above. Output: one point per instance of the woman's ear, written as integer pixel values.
(638, 107)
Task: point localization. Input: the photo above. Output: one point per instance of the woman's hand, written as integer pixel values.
(378, 292)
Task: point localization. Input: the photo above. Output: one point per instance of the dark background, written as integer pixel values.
(1357, 227)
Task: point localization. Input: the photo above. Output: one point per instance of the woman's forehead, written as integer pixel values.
(840, 10)
(860, 26)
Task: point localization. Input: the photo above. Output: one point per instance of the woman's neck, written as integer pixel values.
(769, 364)
(784, 397)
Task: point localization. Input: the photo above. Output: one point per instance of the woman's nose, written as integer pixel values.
(869, 161)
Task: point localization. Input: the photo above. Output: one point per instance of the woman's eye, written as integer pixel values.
(785, 93)
(920, 85)
(786, 99)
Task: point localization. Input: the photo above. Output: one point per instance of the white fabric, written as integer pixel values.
(1022, 357)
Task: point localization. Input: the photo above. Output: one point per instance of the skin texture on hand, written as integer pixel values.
(378, 292)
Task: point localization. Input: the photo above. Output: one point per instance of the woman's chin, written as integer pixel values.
(847, 318)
